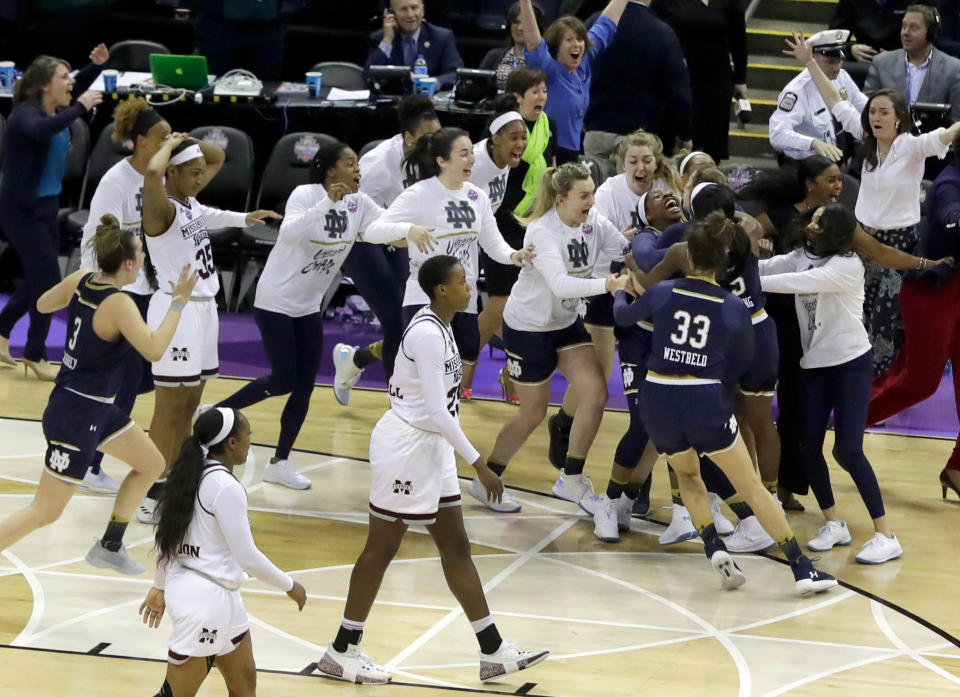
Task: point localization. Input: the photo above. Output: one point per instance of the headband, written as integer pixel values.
(146, 119)
(503, 120)
(642, 210)
(191, 152)
(685, 161)
(698, 188)
(228, 420)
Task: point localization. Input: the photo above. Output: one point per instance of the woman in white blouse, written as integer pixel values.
(888, 206)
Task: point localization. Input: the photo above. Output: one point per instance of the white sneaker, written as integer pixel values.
(749, 537)
(833, 533)
(605, 520)
(146, 511)
(720, 522)
(283, 474)
(731, 575)
(505, 505)
(578, 489)
(99, 483)
(347, 373)
(102, 558)
(508, 659)
(353, 665)
(680, 529)
(624, 510)
(879, 549)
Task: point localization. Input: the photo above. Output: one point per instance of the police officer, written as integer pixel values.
(802, 125)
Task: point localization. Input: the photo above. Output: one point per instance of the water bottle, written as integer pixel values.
(420, 66)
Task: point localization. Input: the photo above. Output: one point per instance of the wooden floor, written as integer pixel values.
(626, 619)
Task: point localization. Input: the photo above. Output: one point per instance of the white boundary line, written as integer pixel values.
(876, 610)
(39, 598)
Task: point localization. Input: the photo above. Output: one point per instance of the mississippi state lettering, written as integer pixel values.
(698, 360)
(188, 550)
(460, 215)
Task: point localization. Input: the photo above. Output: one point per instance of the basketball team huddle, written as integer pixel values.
(657, 265)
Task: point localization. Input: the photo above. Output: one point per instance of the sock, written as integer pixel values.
(488, 636)
(616, 489)
(113, 538)
(564, 420)
(574, 465)
(771, 486)
(740, 508)
(496, 467)
(368, 354)
(156, 489)
(632, 490)
(789, 546)
(711, 540)
(349, 633)
(165, 690)
(675, 495)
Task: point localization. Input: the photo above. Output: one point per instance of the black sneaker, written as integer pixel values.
(810, 580)
(641, 504)
(559, 441)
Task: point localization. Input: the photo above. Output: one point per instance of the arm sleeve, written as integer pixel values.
(947, 195)
(542, 59)
(562, 284)
(601, 35)
(216, 219)
(302, 211)
(928, 144)
(848, 116)
(106, 199)
(35, 124)
(857, 97)
(425, 347)
(872, 82)
(84, 78)
(230, 508)
(626, 313)
(737, 37)
(490, 237)
(781, 263)
(836, 276)
(395, 222)
(644, 249)
(375, 56)
(612, 241)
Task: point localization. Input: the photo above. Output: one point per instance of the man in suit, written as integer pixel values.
(405, 35)
(924, 73)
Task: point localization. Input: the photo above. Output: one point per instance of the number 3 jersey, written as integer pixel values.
(91, 366)
(701, 333)
(315, 237)
(186, 242)
(425, 383)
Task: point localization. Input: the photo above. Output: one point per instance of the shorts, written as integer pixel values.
(499, 278)
(75, 428)
(684, 417)
(414, 472)
(599, 310)
(760, 380)
(532, 357)
(208, 619)
(192, 355)
(466, 331)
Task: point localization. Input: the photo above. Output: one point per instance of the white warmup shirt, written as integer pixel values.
(186, 242)
(218, 543)
(802, 116)
(425, 383)
(547, 293)
(488, 176)
(120, 193)
(829, 302)
(889, 195)
(315, 237)
(460, 218)
(381, 171)
(617, 203)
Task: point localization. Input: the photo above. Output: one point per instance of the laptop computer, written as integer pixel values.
(188, 72)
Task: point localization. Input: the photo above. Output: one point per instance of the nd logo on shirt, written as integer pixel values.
(578, 252)
(498, 188)
(460, 215)
(335, 224)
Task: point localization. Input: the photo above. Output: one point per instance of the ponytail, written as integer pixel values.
(421, 163)
(709, 241)
(112, 245)
(556, 181)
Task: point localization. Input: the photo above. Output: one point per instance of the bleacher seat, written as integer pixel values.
(134, 54)
(346, 76)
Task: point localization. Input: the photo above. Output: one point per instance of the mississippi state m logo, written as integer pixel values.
(335, 224)
(402, 487)
(207, 636)
(460, 215)
(179, 354)
(578, 251)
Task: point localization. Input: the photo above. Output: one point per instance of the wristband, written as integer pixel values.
(178, 305)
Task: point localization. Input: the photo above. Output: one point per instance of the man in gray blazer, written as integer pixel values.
(918, 69)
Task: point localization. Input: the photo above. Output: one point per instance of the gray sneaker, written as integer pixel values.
(102, 558)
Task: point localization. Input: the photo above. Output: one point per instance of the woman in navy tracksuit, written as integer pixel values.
(46, 101)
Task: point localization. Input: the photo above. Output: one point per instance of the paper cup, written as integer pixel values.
(7, 73)
(110, 80)
(427, 86)
(314, 83)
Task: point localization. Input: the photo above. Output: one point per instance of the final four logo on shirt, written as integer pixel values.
(352, 206)
(472, 194)
(587, 229)
(189, 213)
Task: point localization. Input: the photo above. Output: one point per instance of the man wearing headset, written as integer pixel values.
(918, 69)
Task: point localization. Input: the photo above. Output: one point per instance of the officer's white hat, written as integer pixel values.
(829, 42)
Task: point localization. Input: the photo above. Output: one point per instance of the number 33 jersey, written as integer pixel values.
(186, 242)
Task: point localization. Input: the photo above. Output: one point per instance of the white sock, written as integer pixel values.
(351, 624)
(481, 624)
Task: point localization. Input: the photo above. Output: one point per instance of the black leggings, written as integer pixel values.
(34, 233)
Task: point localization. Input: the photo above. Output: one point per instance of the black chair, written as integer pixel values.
(369, 146)
(595, 167)
(105, 154)
(287, 168)
(230, 190)
(134, 55)
(73, 177)
(346, 76)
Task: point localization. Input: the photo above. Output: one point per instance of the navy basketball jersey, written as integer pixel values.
(91, 366)
(701, 333)
(743, 277)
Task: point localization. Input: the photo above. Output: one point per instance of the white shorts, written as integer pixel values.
(208, 619)
(192, 355)
(414, 472)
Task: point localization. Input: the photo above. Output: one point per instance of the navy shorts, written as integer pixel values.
(760, 380)
(75, 428)
(599, 310)
(532, 356)
(681, 417)
(466, 331)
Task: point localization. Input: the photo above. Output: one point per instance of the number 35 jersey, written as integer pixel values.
(186, 242)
